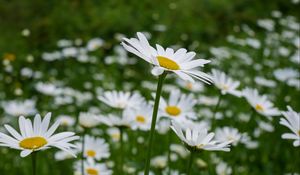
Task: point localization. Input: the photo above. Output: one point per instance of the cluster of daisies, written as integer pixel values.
(178, 111)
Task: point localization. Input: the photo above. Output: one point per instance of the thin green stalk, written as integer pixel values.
(153, 122)
(121, 149)
(169, 151)
(82, 153)
(33, 156)
(216, 110)
(189, 168)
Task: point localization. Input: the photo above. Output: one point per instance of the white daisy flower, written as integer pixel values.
(17, 108)
(228, 134)
(193, 87)
(88, 119)
(113, 120)
(226, 84)
(179, 62)
(66, 120)
(142, 116)
(94, 148)
(114, 133)
(260, 103)
(37, 136)
(92, 168)
(292, 121)
(179, 106)
(197, 139)
(121, 100)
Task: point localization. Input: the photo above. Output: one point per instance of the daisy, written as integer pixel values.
(37, 136)
(228, 134)
(113, 120)
(197, 139)
(225, 83)
(193, 87)
(142, 117)
(66, 120)
(179, 62)
(95, 148)
(260, 103)
(179, 106)
(88, 120)
(17, 108)
(92, 168)
(292, 121)
(121, 100)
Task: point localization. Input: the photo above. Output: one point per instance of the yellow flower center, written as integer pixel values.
(33, 143)
(259, 107)
(200, 146)
(91, 153)
(173, 110)
(92, 171)
(116, 136)
(9, 57)
(140, 119)
(167, 63)
(225, 87)
(189, 85)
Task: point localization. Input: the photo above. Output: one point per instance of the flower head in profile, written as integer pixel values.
(292, 121)
(17, 108)
(180, 62)
(260, 103)
(179, 106)
(199, 139)
(228, 134)
(95, 148)
(37, 136)
(226, 84)
(121, 100)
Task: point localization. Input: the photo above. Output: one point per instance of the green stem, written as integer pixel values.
(169, 151)
(216, 110)
(82, 153)
(33, 156)
(121, 149)
(153, 122)
(189, 168)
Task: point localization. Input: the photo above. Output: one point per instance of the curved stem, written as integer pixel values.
(189, 168)
(153, 122)
(33, 156)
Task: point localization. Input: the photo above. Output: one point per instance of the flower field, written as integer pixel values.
(150, 88)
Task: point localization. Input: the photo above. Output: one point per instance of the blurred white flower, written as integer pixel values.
(292, 121)
(66, 120)
(260, 103)
(225, 83)
(179, 107)
(199, 139)
(267, 24)
(121, 100)
(141, 117)
(159, 162)
(94, 148)
(94, 44)
(17, 108)
(228, 134)
(223, 169)
(88, 120)
(92, 168)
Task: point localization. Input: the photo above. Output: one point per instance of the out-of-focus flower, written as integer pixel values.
(225, 83)
(197, 139)
(159, 162)
(18, 108)
(292, 121)
(88, 120)
(94, 148)
(179, 106)
(228, 134)
(92, 168)
(260, 103)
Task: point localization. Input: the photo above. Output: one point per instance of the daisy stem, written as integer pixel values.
(189, 168)
(121, 149)
(169, 151)
(33, 156)
(82, 152)
(153, 122)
